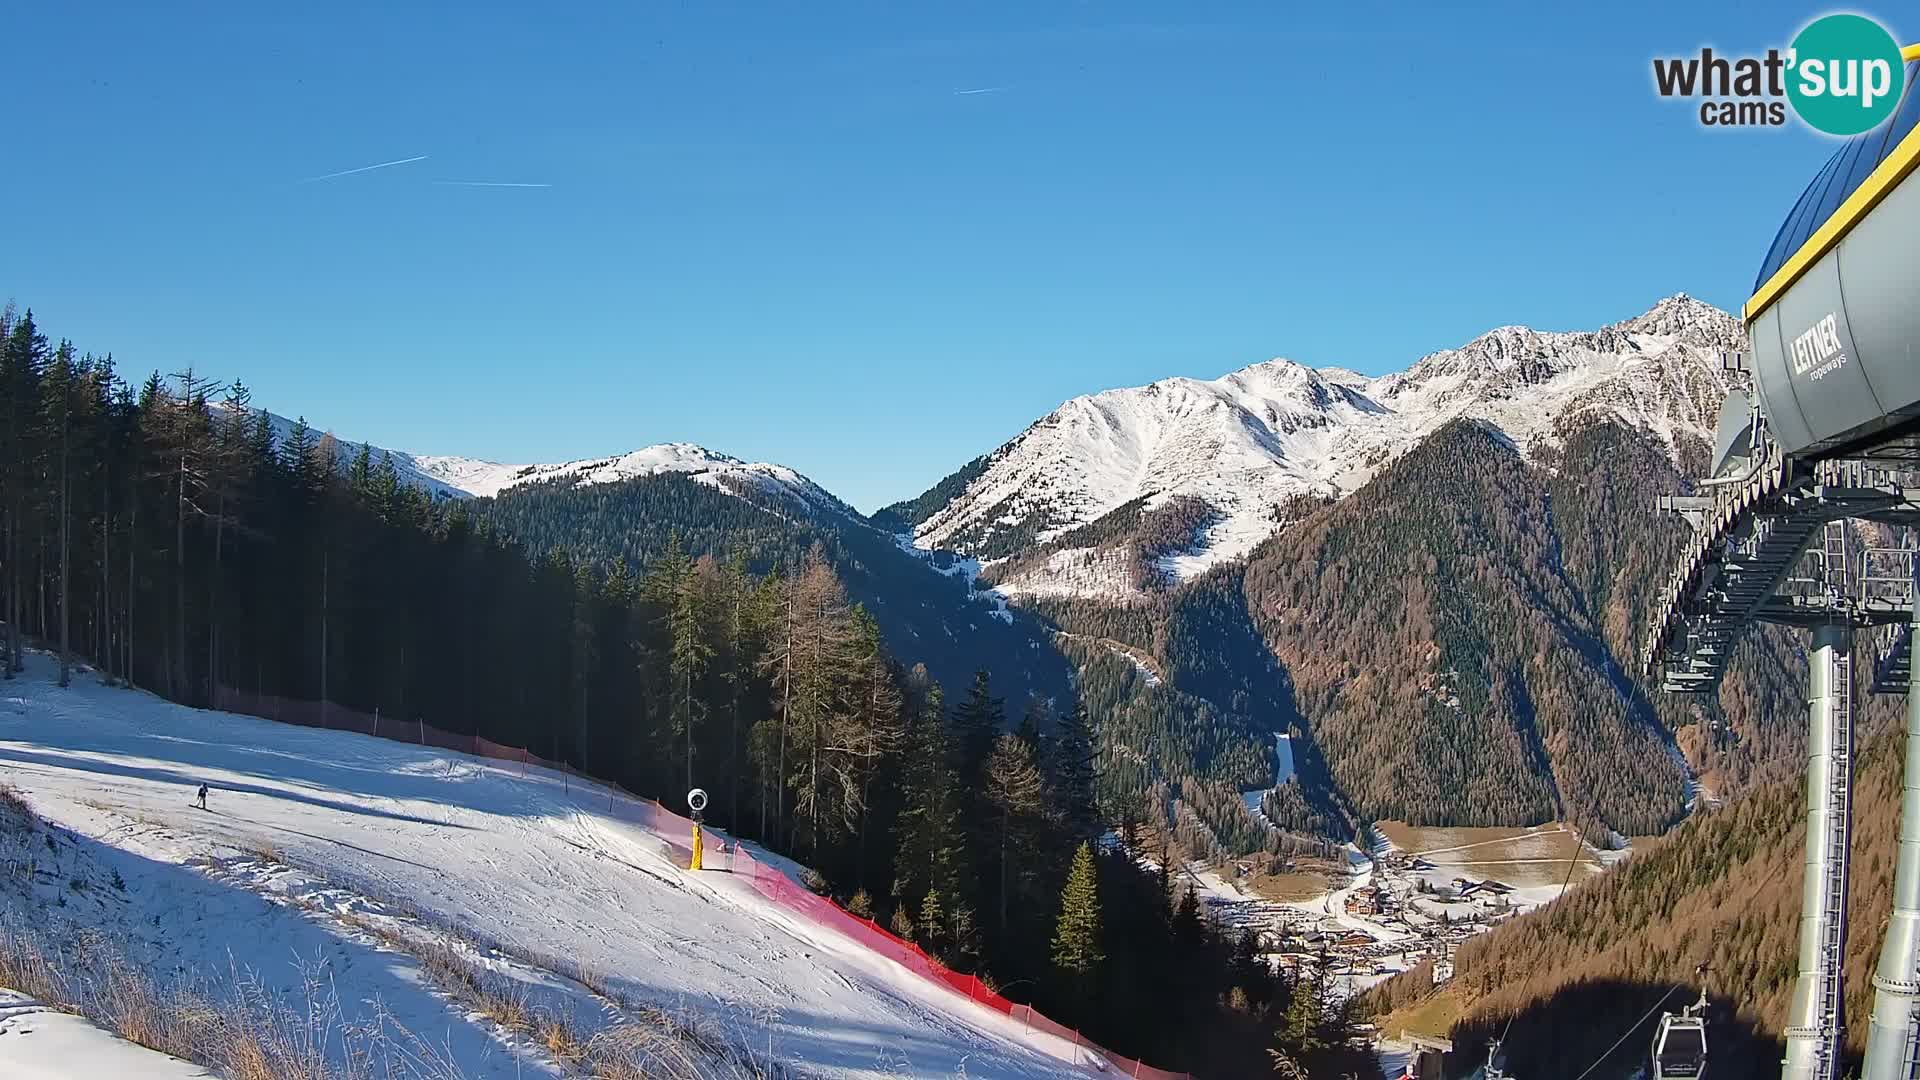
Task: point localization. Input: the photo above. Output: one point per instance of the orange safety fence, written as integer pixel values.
(768, 880)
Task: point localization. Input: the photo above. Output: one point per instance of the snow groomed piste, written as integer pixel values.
(503, 852)
(767, 878)
(1833, 434)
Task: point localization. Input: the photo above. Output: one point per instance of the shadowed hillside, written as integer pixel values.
(1723, 889)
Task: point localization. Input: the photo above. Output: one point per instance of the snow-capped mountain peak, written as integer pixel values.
(1683, 318)
(761, 480)
(1249, 441)
(456, 477)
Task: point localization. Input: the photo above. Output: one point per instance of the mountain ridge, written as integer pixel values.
(459, 477)
(1247, 442)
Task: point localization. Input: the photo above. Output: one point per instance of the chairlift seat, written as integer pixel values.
(1680, 1048)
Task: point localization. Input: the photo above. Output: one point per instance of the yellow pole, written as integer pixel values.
(695, 865)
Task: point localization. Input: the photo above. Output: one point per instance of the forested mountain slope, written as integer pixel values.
(1724, 890)
(1187, 699)
(1460, 636)
(925, 604)
(1449, 664)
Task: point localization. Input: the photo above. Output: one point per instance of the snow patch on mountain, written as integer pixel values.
(1078, 571)
(947, 564)
(1250, 440)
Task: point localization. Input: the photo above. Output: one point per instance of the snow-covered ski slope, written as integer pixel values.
(38, 1043)
(536, 862)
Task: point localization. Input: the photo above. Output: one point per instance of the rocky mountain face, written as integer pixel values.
(1240, 452)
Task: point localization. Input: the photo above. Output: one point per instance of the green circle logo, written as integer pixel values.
(1845, 74)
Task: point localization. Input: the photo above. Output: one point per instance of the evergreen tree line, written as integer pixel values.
(167, 535)
(638, 519)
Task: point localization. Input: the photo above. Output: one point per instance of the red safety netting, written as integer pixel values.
(767, 879)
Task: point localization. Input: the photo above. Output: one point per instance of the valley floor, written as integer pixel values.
(332, 855)
(1398, 905)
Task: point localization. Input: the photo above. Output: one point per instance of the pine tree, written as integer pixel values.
(21, 364)
(1303, 1026)
(1015, 794)
(385, 485)
(296, 455)
(826, 787)
(689, 654)
(976, 725)
(179, 429)
(780, 662)
(228, 470)
(1034, 722)
(1251, 973)
(59, 388)
(739, 621)
(1076, 935)
(360, 473)
(927, 838)
(584, 661)
(1189, 929)
(1070, 775)
(876, 702)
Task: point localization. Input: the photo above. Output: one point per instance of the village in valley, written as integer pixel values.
(1413, 897)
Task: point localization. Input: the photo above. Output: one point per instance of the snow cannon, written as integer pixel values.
(1832, 319)
(696, 802)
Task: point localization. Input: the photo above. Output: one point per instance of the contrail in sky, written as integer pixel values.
(982, 90)
(365, 168)
(487, 183)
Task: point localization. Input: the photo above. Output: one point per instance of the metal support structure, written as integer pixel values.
(1817, 1021)
(1493, 1071)
(1808, 449)
(1893, 1036)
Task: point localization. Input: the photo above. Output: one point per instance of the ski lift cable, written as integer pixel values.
(1572, 862)
(1625, 1034)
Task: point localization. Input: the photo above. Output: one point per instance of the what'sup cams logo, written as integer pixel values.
(1842, 75)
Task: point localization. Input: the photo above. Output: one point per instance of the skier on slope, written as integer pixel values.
(203, 796)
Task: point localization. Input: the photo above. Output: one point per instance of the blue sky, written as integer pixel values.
(781, 230)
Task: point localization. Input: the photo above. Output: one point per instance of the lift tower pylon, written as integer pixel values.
(1773, 547)
(1893, 1034)
(1817, 1023)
